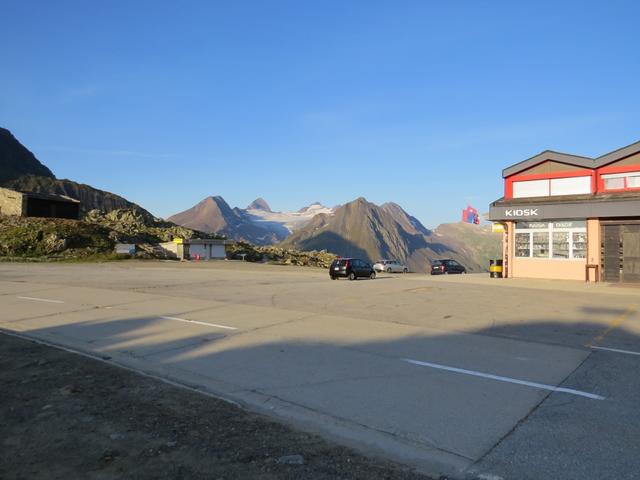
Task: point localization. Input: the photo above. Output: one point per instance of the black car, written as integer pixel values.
(351, 268)
(446, 266)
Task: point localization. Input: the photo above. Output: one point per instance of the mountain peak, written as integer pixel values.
(312, 206)
(16, 161)
(259, 204)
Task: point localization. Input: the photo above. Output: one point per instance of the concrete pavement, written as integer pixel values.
(447, 374)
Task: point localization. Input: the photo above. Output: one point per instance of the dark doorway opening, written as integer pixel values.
(38, 207)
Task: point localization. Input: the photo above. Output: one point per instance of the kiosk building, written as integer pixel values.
(572, 217)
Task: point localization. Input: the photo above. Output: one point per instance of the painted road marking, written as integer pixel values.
(615, 323)
(617, 350)
(41, 299)
(226, 327)
(499, 378)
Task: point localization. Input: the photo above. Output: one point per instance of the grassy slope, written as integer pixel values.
(48, 237)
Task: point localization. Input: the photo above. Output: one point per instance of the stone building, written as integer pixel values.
(31, 204)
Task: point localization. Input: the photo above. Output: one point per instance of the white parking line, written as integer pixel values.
(617, 350)
(499, 378)
(41, 299)
(226, 327)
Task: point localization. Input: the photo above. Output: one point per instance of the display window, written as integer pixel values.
(557, 240)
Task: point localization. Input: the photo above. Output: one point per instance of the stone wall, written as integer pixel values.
(11, 202)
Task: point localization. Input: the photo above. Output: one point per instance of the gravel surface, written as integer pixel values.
(67, 416)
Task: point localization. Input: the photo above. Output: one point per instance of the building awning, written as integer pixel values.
(577, 206)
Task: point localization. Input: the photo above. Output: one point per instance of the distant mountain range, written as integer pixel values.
(21, 170)
(356, 229)
(256, 224)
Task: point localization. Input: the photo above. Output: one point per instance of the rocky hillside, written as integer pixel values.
(363, 229)
(52, 238)
(280, 255)
(21, 170)
(130, 226)
(42, 238)
(29, 238)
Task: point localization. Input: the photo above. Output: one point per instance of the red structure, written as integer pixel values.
(470, 215)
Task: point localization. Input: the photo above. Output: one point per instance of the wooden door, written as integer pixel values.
(631, 253)
(611, 253)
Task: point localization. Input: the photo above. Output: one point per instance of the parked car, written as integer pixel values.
(390, 266)
(446, 266)
(351, 268)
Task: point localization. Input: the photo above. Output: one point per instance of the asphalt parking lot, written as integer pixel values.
(463, 376)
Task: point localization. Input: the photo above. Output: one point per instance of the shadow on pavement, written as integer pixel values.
(487, 424)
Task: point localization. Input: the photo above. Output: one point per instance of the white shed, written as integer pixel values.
(206, 249)
(195, 249)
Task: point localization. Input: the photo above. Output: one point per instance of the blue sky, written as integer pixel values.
(417, 102)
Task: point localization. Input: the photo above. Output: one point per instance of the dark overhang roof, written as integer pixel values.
(567, 207)
(574, 160)
(49, 196)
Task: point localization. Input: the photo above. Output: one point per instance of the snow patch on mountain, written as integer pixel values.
(289, 220)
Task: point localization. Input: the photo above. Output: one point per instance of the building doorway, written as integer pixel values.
(621, 252)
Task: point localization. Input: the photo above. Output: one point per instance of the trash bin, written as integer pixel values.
(495, 268)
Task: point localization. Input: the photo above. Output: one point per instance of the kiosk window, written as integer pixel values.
(523, 249)
(558, 240)
(579, 246)
(541, 245)
(560, 245)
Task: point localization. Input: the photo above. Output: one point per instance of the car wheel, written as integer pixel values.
(352, 276)
(389, 270)
(372, 276)
(334, 278)
(405, 271)
(446, 273)
(463, 272)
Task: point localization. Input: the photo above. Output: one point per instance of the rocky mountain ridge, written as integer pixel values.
(365, 230)
(358, 228)
(16, 160)
(21, 170)
(355, 229)
(256, 224)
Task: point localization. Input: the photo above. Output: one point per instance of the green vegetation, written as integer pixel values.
(90, 239)
(52, 238)
(29, 239)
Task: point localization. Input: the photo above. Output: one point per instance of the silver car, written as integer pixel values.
(390, 266)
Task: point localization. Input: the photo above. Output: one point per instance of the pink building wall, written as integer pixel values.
(549, 268)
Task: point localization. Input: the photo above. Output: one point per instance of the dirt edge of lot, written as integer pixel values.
(65, 415)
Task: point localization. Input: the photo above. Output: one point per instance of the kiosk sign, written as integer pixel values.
(521, 212)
